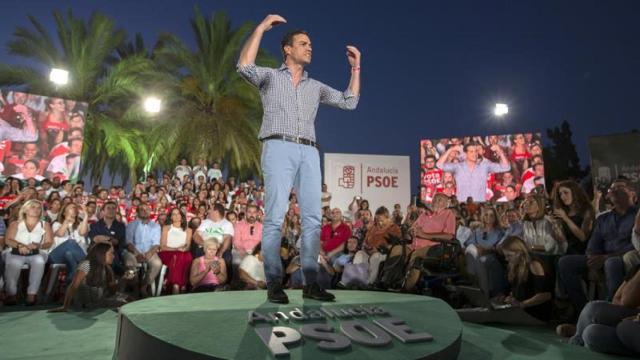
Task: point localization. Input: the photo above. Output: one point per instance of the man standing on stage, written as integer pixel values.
(290, 156)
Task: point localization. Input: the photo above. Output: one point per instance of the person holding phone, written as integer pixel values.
(290, 155)
(208, 271)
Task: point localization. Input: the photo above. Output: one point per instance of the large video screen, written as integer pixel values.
(496, 168)
(40, 136)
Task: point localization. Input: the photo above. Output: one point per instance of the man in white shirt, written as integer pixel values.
(326, 196)
(182, 170)
(214, 172)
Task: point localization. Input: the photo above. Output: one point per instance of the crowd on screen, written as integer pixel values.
(508, 165)
(40, 137)
(514, 262)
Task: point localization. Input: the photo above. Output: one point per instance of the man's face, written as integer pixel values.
(252, 214)
(510, 194)
(507, 178)
(336, 215)
(621, 195)
(143, 212)
(56, 182)
(19, 98)
(110, 211)
(472, 153)
(300, 50)
(365, 216)
(538, 170)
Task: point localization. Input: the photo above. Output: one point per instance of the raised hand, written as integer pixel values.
(353, 54)
(270, 21)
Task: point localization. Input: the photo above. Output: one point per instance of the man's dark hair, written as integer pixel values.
(382, 211)
(109, 202)
(429, 157)
(466, 146)
(219, 208)
(287, 40)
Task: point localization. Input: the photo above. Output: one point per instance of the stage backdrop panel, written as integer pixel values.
(615, 155)
(523, 152)
(383, 180)
(40, 136)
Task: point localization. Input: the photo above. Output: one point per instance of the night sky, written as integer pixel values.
(430, 68)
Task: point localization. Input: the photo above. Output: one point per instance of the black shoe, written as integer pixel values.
(314, 291)
(275, 294)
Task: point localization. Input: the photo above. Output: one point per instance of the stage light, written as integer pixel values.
(501, 110)
(59, 76)
(152, 104)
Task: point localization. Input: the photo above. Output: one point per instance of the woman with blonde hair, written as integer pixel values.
(539, 231)
(26, 237)
(208, 271)
(529, 302)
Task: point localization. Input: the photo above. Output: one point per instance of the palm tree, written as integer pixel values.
(115, 126)
(218, 112)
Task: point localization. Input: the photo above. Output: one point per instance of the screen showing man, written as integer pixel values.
(485, 168)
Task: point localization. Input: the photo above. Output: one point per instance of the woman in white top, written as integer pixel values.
(175, 243)
(26, 237)
(69, 238)
(539, 231)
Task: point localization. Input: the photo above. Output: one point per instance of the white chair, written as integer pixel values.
(157, 284)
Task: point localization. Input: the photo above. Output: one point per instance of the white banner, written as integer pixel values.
(383, 180)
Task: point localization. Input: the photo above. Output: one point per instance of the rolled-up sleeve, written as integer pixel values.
(450, 167)
(255, 75)
(344, 100)
(498, 167)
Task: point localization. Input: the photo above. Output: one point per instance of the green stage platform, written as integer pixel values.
(215, 326)
(27, 334)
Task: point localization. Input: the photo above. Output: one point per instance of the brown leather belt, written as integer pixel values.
(293, 139)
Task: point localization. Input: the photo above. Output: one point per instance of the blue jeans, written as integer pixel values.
(596, 328)
(287, 165)
(70, 254)
(573, 269)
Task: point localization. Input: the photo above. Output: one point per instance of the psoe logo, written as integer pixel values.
(348, 179)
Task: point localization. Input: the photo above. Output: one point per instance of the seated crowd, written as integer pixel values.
(516, 262)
